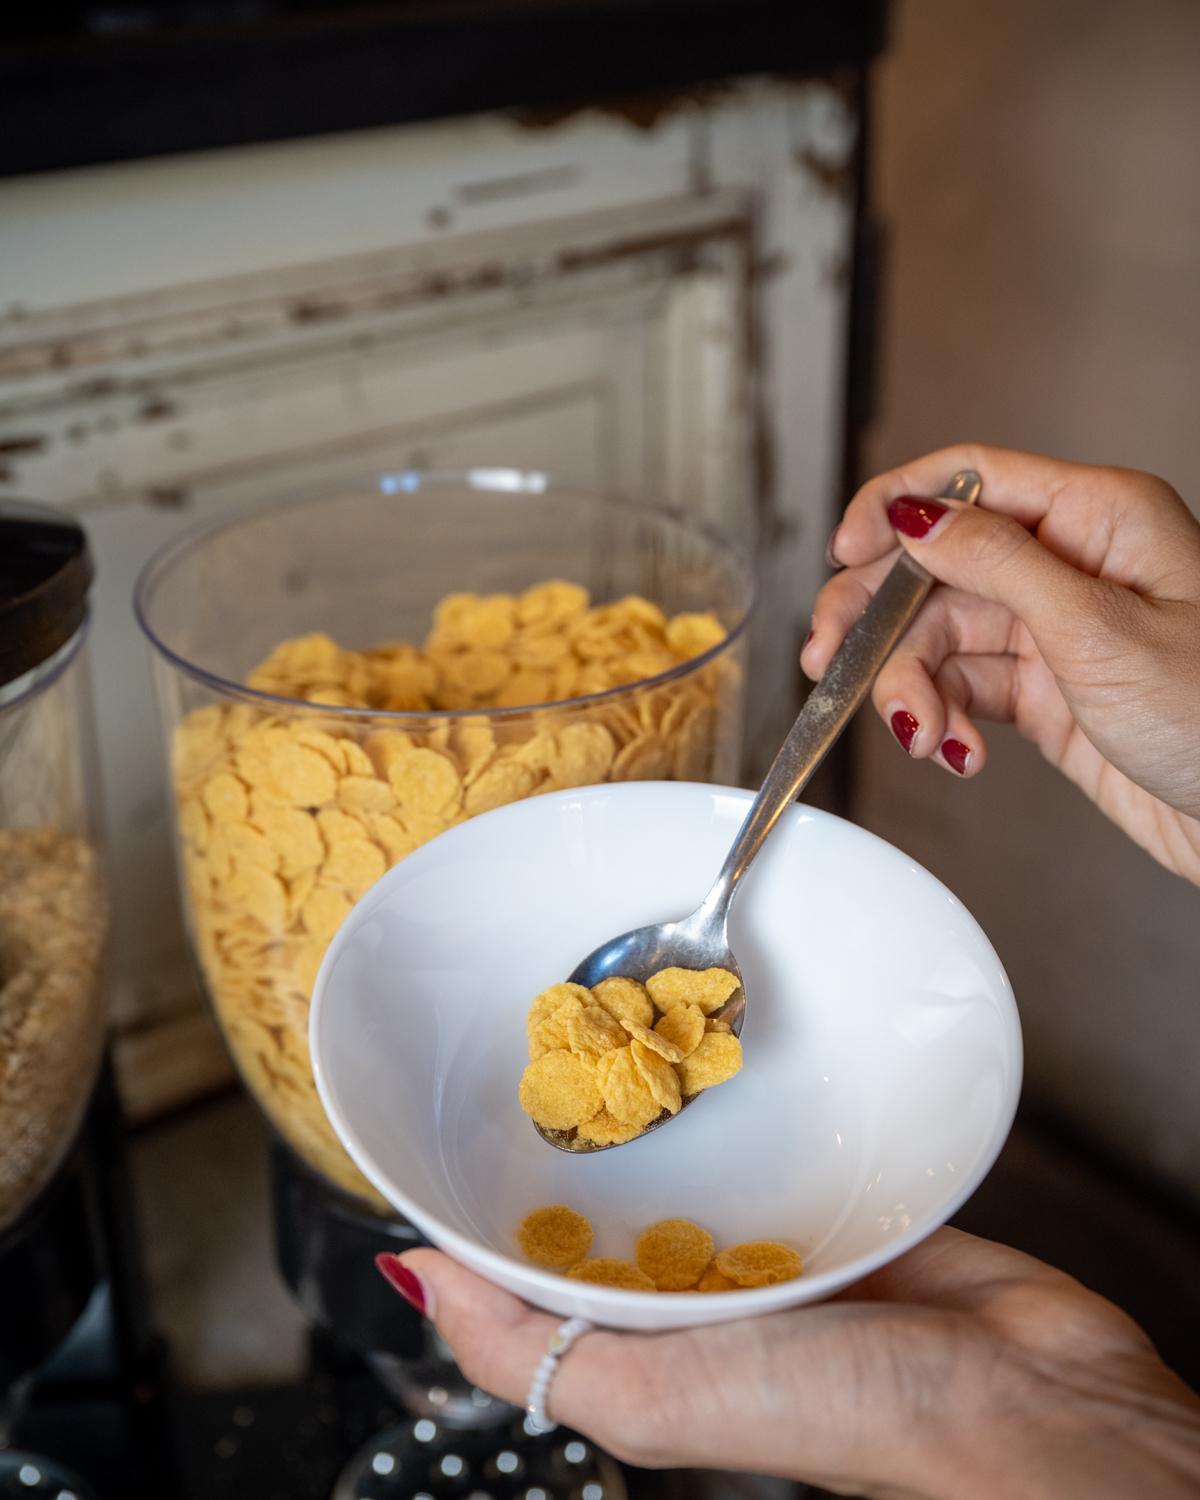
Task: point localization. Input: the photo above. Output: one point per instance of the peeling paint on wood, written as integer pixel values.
(9, 447)
(835, 174)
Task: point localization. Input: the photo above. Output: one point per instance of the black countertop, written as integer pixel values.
(87, 83)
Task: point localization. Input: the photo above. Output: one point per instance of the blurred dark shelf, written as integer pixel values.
(88, 83)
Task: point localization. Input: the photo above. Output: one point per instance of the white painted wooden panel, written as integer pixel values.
(658, 312)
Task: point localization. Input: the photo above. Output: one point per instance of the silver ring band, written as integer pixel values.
(536, 1421)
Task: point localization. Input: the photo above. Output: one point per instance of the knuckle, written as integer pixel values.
(954, 686)
(993, 542)
(1154, 492)
(1112, 614)
(844, 597)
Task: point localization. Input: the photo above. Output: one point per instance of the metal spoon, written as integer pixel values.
(701, 941)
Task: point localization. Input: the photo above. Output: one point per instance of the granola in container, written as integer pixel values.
(53, 908)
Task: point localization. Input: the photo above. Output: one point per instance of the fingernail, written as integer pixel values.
(956, 755)
(905, 728)
(830, 554)
(406, 1282)
(914, 517)
(807, 638)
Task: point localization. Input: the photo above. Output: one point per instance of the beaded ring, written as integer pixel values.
(537, 1422)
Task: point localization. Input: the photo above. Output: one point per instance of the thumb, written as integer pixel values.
(990, 554)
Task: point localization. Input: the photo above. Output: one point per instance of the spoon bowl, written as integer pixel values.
(691, 943)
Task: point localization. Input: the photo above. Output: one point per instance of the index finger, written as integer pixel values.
(1022, 485)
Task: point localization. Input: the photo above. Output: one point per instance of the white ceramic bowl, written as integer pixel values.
(882, 1046)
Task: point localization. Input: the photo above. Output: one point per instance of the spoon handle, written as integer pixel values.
(832, 702)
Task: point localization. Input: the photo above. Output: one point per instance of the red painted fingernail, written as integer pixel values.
(905, 727)
(830, 554)
(407, 1283)
(914, 517)
(956, 755)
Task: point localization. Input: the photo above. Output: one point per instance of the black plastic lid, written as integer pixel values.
(45, 573)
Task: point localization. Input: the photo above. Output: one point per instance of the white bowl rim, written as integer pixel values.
(749, 1302)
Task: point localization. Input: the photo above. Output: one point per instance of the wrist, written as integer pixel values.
(1142, 1439)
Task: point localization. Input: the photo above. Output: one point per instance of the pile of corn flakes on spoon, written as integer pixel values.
(605, 1063)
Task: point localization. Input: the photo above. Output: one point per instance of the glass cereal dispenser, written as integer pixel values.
(52, 896)
(58, 1158)
(342, 674)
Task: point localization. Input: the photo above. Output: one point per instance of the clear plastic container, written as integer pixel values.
(288, 809)
(53, 911)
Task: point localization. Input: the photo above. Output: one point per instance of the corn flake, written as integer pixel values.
(193, 825)
(365, 794)
(324, 912)
(692, 754)
(540, 652)
(326, 745)
(604, 1130)
(759, 1263)
(384, 746)
(261, 894)
(475, 673)
(552, 999)
(684, 1026)
(607, 1270)
(489, 622)
(425, 781)
(473, 746)
(716, 1059)
(294, 836)
(714, 1281)
(583, 755)
(644, 759)
(654, 1042)
(553, 603)
(625, 999)
(626, 1094)
(298, 892)
(354, 864)
(691, 635)
(225, 799)
(591, 1029)
(552, 1034)
(337, 827)
(524, 688)
(659, 1077)
(555, 1236)
(507, 781)
(302, 776)
(249, 847)
(708, 989)
(674, 1254)
(558, 1090)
